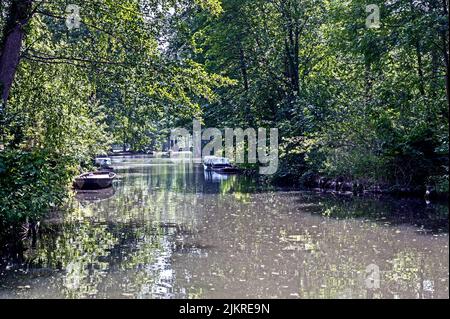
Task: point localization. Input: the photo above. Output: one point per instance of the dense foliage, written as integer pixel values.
(77, 90)
(350, 101)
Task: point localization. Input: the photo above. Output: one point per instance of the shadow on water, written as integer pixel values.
(170, 230)
(427, 217)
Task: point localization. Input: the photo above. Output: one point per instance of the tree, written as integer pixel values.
(349, 101)
(69, 92)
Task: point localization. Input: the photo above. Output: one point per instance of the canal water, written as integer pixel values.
(169, 230)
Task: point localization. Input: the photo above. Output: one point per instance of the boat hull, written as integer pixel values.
(227, 170)
(98, 180)
(220, 165)
(221, 169)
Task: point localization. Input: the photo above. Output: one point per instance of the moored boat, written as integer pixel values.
(229, 169)
(95, 180)
(219, 165)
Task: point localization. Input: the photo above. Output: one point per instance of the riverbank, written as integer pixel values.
(339, 185)
(345, 186)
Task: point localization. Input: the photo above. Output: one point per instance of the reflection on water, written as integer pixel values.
(169, 230)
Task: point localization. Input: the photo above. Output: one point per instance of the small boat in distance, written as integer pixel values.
(104, 164)
(94, 180)
(220, 165)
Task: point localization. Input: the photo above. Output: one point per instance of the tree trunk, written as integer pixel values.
(296, 60)
(292, 51)
(367, 80)
(420, 69)
(11, 44)
(434, 73)
(244, 71)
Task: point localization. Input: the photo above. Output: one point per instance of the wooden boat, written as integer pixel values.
(219, 165)
(95, 180)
